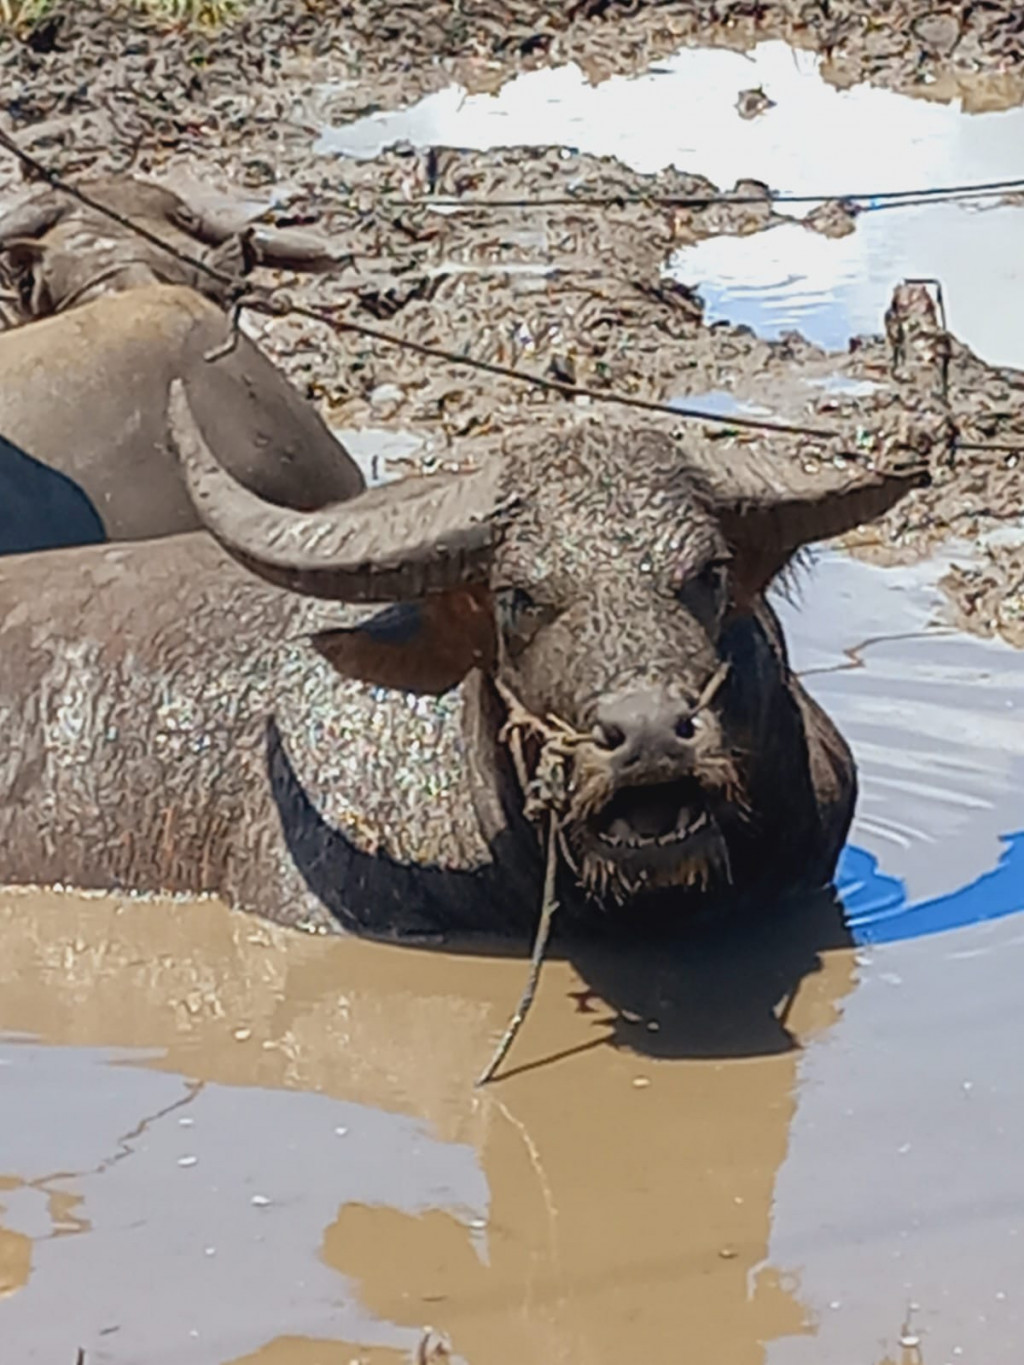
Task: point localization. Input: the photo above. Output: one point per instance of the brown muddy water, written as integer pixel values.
(225, 1143)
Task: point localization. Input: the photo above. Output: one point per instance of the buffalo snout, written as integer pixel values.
(646, 733)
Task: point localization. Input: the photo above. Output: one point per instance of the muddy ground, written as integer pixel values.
(390, 52)
(571, 292)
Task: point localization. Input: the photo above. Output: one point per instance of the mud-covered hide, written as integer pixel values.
(84, 393)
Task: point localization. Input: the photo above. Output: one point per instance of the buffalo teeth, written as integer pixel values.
(694, 872)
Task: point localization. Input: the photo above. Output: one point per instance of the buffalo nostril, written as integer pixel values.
(685, 728)
(609, 736)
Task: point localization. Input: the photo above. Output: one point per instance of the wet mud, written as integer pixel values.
(385, 54)
(664, 301)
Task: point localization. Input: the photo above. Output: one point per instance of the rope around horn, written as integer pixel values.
(547, 798)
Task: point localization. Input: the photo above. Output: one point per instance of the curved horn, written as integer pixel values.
(769, 505)
(391, 543)
(818, 493)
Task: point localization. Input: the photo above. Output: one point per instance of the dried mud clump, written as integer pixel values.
(752, 103)
(988, 598)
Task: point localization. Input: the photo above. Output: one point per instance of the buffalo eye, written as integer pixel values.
(705, 592)
(519, 616)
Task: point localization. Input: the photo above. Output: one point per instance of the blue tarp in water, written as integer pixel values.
(878, 909)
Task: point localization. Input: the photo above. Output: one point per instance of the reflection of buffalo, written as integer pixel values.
(111, 320)
(606, 576)
(618, 1219)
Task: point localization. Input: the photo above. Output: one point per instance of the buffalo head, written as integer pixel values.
(58, 252)
(594, 576)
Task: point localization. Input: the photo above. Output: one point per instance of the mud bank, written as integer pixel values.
(631, 296)
(385, 53)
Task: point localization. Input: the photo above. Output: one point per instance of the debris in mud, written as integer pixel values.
(581, 293)
(575, 293)
(432, 1346)
(988, 598)
(938, 32)
(834, 218)
(751, 103)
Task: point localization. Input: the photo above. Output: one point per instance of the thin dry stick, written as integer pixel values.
(540, 943)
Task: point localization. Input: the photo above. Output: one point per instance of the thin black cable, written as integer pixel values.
(879, 197)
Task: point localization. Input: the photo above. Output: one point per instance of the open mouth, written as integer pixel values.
(661, 834)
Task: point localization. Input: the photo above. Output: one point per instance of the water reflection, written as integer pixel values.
(790, 279)
(817, 140)
(878, 909)
(933, 718)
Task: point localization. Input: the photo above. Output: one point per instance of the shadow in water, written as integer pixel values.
(41, 509)
(719, 988)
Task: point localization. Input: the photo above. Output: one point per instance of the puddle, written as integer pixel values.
(789, 279)
(840, 384)
(816, 140)
(379, 452)
(235, 1144)
(722, 403)
(934, 718)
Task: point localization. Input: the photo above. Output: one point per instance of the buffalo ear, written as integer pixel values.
(426, 646)
(22, 257)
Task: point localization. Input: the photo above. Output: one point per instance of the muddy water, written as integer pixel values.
(225, 1143)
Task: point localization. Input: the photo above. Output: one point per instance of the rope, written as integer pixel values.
(548, 796)
(549, 905)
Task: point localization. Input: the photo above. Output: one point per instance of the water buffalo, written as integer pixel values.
(176, 720)
(59, 252)
(83, 387)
